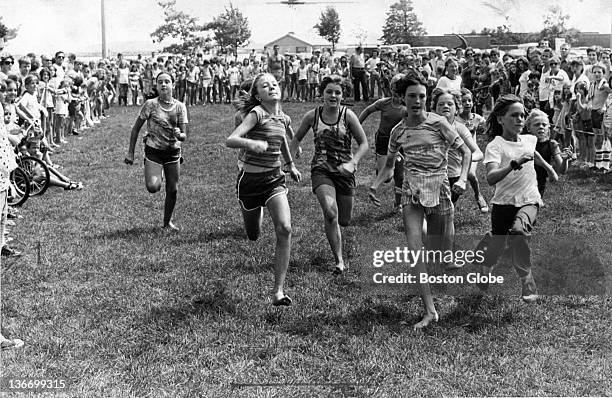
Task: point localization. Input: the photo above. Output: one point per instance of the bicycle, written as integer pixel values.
(38, 173)
(19, 187)
(37, 170)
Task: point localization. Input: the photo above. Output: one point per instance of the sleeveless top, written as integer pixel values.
(269, 128)
(332, 141)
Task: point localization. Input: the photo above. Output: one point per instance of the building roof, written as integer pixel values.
(290, 35)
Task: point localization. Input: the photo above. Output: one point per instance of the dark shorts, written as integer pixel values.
(162, 157)
(254, 190)
(344, 185)
(382, 143)
(596, 119)
(73, 108)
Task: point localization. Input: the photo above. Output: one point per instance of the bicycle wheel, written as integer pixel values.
(38, 173)
(19, 187)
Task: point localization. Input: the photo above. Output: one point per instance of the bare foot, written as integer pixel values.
(339, 268)
(427, 318)
(281, 300)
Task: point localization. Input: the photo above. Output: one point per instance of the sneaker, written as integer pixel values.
(531, 298)
(482, 204)
(8, 252)
(74, 132)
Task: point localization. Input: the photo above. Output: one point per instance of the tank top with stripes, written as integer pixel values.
(269, 128)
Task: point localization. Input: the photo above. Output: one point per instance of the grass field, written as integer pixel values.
(116, 307)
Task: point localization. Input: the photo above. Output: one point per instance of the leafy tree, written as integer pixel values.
(329, 26)
(502, 35)
(231, 29)
(555, 25)
(6, 33)
(178, 25)
(402, 25)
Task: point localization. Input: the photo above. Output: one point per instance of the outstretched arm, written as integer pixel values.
(360, 137)
(305, 125)
(367, 112)
(237, 140)
(552, 174)
(129, 158)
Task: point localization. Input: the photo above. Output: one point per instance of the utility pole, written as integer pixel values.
(103, 23)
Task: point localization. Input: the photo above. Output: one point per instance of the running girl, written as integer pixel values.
(475, 124)
(391, 113)
(537, 124)
(516, 201)
(425, 138)
(166, 128)
(261, 138)
(333, 164)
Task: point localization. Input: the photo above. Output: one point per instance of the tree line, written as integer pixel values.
(230, 29)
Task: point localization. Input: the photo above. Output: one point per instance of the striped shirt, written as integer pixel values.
(269, 128)
(425, 151)
(332, 141)
(161, 121)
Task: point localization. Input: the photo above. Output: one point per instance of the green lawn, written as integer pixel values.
(119, 308)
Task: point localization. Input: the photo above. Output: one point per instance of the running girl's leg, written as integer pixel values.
(172, 172)
(326, 195)
(278, 206)
(252, 222)
(413, 225)
(153, 176)
(473, 180)
(398, 179)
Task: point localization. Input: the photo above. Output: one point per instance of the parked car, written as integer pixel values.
(426, 49)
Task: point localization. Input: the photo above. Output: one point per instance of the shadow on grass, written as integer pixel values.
(476, 312)
(367, 218)
(136, 233)
(359, 321)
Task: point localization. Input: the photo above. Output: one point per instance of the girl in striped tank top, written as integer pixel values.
(333, 164)
(261, 182)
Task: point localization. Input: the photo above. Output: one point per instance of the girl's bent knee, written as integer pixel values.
(153, 188)
(283, 230)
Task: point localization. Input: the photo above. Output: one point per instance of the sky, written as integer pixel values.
(74, 25)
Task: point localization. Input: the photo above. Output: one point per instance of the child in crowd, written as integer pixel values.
(583, 126)
(598, 94)
(313, 78)
(302, 81)
(45, 94)
(134, 78)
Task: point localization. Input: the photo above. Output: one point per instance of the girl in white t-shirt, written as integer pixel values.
(510, 159)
